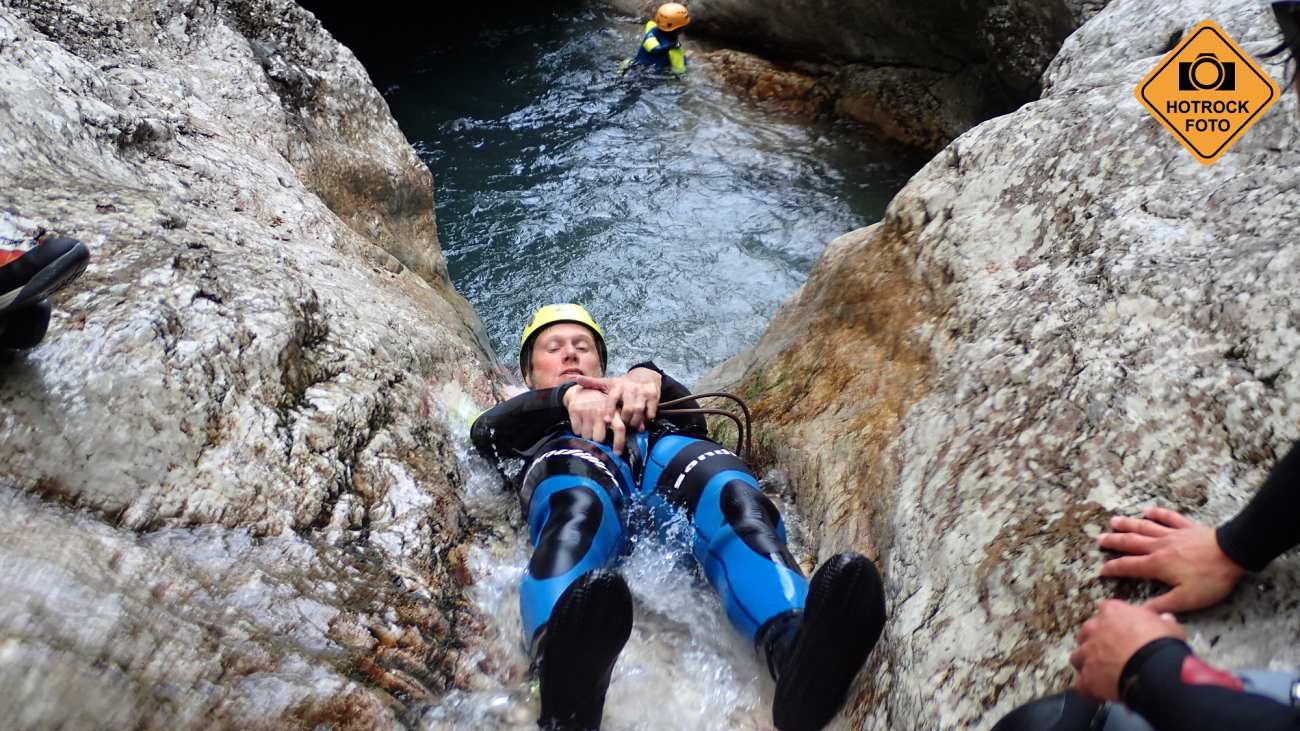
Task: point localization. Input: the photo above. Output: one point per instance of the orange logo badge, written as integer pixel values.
(1207, 92)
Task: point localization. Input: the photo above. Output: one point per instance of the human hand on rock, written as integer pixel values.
(1168, 547)
(1106, 642)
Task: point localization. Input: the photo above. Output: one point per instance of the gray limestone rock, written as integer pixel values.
(228, 475)
(1062, 317)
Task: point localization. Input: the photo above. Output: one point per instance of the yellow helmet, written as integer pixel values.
(671, 16)
(550, 315)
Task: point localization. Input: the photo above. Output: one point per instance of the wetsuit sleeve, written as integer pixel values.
(1269, 525)
(1174, 690)
(676, 60)
(655, 46)
(509, 429)
(669, 390)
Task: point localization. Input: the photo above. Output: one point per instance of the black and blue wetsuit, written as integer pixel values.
(1164, 685)
(576, 493)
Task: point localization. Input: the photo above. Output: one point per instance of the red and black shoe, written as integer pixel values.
(27, 275)
(825, 648)
(589, 625)
(25, 328)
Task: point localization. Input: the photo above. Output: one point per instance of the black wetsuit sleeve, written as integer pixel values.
(1269, 525)
(670, 389)
(1153, 685)
(510, 429)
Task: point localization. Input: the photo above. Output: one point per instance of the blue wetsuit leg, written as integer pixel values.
(575, 492)
(737, 534)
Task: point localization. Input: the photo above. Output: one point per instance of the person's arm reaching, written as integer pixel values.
(1269, 525)
(1200, 563)
(652, 45)
(1133, 654)
(509, 429)
(1174, 690)
(676, 60)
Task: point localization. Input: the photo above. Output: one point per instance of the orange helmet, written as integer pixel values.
(671, 16)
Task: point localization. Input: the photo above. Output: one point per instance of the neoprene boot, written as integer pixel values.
(25, 328)
(27, 275)
(579, 645)
(1067, 711)
(815, 656)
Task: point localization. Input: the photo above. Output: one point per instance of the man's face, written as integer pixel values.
(560, 352)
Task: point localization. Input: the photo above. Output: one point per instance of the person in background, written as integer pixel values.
(660, 47)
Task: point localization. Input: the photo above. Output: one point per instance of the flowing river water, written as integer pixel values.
(682, 217)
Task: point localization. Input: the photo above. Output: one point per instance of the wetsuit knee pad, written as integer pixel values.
(572, 523)
(744, 555)
(574, 529)
(755, 520)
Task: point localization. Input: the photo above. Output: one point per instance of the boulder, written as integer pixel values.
(1062, 317)
(229, 480)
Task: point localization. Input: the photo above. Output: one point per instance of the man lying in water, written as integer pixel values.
(581, 448)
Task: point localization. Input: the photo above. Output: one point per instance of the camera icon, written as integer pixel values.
(1192, 74)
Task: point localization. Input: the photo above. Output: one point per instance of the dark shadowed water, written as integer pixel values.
(680, 215)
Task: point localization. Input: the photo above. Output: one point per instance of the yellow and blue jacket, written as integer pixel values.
(660, 50)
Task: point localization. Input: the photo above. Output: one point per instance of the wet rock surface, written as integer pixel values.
(229, 487)
(921, 108)
(920, 74)
(1062, 317)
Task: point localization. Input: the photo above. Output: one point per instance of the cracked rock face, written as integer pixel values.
(1062, 317)
(228, 479)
